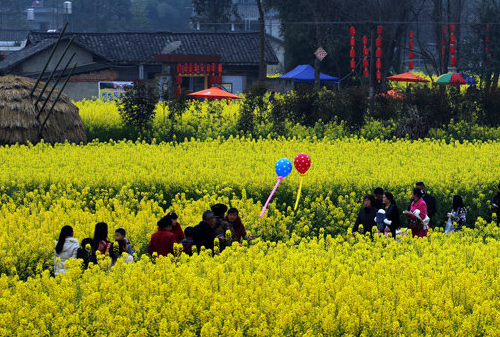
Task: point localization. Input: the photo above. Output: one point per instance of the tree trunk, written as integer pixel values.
(262, 64)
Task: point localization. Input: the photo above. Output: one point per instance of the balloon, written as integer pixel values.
(302, 163)
(283, 167)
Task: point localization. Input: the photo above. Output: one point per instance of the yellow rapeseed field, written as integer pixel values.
(441, 286)
(304, 275)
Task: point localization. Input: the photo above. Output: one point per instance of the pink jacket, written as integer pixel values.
(420, 205)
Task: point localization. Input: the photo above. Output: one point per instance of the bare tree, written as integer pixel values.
(262, 64)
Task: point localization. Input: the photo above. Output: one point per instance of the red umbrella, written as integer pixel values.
(215, 93)
(407, 77)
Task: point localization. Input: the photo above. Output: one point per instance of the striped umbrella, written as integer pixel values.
(451, 79)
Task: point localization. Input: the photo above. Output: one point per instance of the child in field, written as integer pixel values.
(86, 254)
(123, 247)
(120, 235)
(66, 248)
(188, 241)
(234, 219)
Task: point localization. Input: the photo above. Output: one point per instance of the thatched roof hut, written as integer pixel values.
(18, 115)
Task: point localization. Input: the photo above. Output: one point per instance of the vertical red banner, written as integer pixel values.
(378, 63)
(366, 52)
(410, 54)
(352, 52)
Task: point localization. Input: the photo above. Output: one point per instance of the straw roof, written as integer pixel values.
(18, 116)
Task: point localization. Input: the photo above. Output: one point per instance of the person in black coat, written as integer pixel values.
(495, 205)
(379, 196)
(393, 220)
(203, 233)
(366, 216)
(430, 201)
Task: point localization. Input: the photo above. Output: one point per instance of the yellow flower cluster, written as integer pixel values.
(441, 286)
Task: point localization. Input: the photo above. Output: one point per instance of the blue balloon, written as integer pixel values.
(283, 167)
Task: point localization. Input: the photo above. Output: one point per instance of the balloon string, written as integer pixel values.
(271, 195)
(300, 190)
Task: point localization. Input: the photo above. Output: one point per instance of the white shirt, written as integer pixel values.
(69, 250)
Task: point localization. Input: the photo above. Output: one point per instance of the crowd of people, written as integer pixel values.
(218, 225)
(380, 210)
(224, 227)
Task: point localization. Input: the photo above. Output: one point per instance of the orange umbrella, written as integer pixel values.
(215, 93)
(391, 94)
(407, 77)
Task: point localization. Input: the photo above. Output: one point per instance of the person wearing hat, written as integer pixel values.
(221, 226)
(203, 233)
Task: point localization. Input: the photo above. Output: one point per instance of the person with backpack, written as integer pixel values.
(66, 248)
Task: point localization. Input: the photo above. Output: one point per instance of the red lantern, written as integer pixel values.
(452, 39)
(220, 68)
(410, 65)
(411, 34)
(191, 68)
(179, 68)
(353, 31)
(366, 73)
(488, 39)
(379, 30)
(379, 76)
(452, 50)
(219, 80)
(378, 65)
(178, 79)
(365, 63)
(378, 42)
(196, 68)
(366, 52)
(411, 55)
(207, 69)
(353, 64)
(444, 30)
(213, 68)
(185, 68)
(410, 44)
(353, 53)
(365, 41)
(353, 42)
(378, 53)
(212, 80)
(452, 28)
(453, 61)
(202, 68)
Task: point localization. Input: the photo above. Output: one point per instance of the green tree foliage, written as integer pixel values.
(137, 108)
(211, 13)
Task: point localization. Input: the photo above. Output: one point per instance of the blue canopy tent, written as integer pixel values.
(305, 74)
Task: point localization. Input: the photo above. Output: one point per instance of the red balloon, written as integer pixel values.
(302, 163)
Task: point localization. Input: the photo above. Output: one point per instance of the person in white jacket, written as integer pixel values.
(66, 248)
